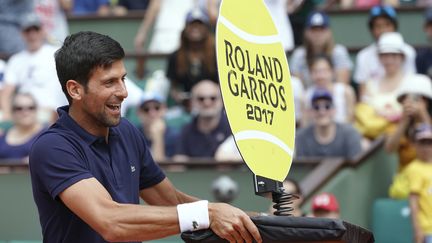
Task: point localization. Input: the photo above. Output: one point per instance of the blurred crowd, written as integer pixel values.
(342, 101)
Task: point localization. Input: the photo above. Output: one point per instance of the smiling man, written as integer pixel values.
(91, 167)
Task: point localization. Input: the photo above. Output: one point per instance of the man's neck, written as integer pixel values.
(325, 134)
(207, 124)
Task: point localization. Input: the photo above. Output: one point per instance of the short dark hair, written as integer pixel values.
(82, 53)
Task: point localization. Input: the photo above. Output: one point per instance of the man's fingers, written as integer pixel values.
(237, 236)
(247, 237)
(253, 230)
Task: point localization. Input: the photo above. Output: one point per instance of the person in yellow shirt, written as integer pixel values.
(419, 174)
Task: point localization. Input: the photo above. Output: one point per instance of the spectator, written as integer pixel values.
(381, 94)
(11, 12)
(16, 141)
(325, 205)
(168, 17)
(325, 137)
(291, 186)
(2, 69)
(318, 40)
(211, 8)
(133, 99)
(419, 174)
(195, 60)
(415, 96)
(322, 75)
(424, 55)
(279, 11)
(33, 71)
(53, 16)
(159, 136)
(382, 19)
(82, 7)
(202, 136)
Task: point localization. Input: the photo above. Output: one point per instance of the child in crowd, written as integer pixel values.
(419, 174)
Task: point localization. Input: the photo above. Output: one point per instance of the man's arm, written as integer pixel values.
(418, 233)
(6, 100)
(90, 201)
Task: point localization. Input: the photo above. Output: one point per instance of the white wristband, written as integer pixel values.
(193, 216)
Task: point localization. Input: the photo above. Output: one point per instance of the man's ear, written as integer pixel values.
(74, 89)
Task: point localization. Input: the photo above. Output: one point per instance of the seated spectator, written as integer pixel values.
(166, 19)
(322, 75)
(195, 60)
(160, 137)
(419, 175)
(381, 94)
(382, 19)
(318, 40)
(133, 100)
(424, 55)
(325, 137)
(33, 71)
(203, 135)
(291, 186)
(325, 205)
(100, 7)
(11, 13)
(53, 16)
(15, 142)
(415, 96)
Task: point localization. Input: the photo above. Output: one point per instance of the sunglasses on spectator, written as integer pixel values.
(147, 109)
(322, 106)
(203, 98)
(23, 108)
(383, 10)
(32, 28)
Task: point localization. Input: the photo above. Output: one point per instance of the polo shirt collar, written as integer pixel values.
(66, 120)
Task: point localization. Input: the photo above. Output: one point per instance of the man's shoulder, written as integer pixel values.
(367, 51)
(346, 129)
(304, 132)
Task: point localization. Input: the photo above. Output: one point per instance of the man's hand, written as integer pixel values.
(232, 224)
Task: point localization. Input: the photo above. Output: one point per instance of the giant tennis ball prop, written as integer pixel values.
(256, 87)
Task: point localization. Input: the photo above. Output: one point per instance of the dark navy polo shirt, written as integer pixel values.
(194, 143)
(66, 154)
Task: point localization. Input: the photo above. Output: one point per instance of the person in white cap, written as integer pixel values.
(415, 96)
(381, 94)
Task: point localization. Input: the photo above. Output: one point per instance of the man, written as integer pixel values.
(33, 71)
(160, 137)
(382, 19)
(90, 168)
(325, 205)
(203, 135)
(325, 137)
(424, 55)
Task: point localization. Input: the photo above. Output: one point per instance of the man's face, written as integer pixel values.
(24, 111)
(322, 73)
(323, 112)
(34, 37)
(106, 90)
(206, 99)
(428, 31)
(381, 25)
(151, 111)
(392, 62)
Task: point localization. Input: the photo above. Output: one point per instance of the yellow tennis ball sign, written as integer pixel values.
(256, 87)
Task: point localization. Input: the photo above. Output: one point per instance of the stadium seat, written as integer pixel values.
(391, 221)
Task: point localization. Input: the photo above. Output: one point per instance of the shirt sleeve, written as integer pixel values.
(353, 143)
(360, 74)
(180, 146)
(295, 62)
(11, 71)
(415, 181)
(341, 58)
(57, 164)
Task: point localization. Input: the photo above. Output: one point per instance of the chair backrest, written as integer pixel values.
(391, 221)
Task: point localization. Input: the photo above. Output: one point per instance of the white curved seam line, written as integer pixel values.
(254, 134)
(257, 39)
